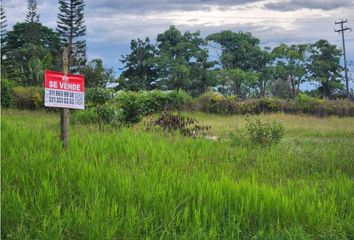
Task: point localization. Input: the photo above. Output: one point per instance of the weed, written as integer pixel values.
(264, 133)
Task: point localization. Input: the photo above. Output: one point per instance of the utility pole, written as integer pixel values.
(342, 30)
(64, 114)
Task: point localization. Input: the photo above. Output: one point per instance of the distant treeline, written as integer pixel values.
(175, 61)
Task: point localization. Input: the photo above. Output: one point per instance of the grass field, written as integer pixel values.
(131, 184)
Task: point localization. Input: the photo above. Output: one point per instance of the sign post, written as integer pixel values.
(64, 113)
(65, 91)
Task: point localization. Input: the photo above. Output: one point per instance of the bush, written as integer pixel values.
(135, 105)
(214, 103)
(169, 122)
(7, 93)
(237, 138)
(264, 134)
(104, 114)
(157, 101)
(87, 116)
(202, 102)
(179, 99)
(28, 97)
(152, 102)
(131, 106)
(308, 104)
(110, 114)
(268, 105)
(98, 96)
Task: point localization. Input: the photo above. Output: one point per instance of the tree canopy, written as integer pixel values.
(140, 71)
(71, 28)
(175, 60)
(30, 49)
(96, 75)
(324, 67)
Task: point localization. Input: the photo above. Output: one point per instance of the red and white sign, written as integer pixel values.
(64, 90)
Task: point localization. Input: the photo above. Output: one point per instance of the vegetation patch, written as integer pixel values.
(132, 184)
(169, 122)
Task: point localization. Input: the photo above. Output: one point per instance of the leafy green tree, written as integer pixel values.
(32, 16)
(33, 33)
(140, 72)
(96, 75)
(280, 88)
(72, 29)
(180, 56)
(30, 49)
(324, 67)
(202, 76)
(235, 81)
(240, 60)
(291, 64)
(238, 50)
(3, 25)
(29, 63)
(266, 73)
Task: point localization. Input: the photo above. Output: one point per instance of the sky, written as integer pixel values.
(112, 24)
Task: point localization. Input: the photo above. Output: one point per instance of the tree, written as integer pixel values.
(239, 58)
(140, 66)
(3, 26)
(266, 73)
(235, 81)
(179, 56)
(32, 16)
(30, 48)
(202, 77)
(324, 67)
(238, 50)
(71, 29)
(33, 33)
(281, 88)
(96, 75)
(291, 61)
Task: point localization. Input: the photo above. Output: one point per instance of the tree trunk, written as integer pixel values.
(293, 89)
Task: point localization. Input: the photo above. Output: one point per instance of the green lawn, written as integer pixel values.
(131, 184)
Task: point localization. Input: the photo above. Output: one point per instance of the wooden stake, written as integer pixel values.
(64, 113)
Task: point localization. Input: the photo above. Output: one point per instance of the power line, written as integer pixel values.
(342, 30)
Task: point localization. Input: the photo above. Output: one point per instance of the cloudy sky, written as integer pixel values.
(111, 24)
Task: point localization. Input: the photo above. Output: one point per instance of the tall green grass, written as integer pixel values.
(130, 184)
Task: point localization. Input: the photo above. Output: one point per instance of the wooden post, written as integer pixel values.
(64, 113)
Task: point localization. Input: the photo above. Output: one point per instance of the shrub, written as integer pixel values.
(104, 114)
(87, 116)
(264, 134)
(99, 96)
(152, 102)
(170, 122)
(268, 105)
(237, 138)
(7, 94)
(248, 107)
(157, 101)
(223, 105)
(179, 99)
(308, 104)
(28, 97)
(202, 103)
(131, 106)
(213, 103)
(110, 114)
